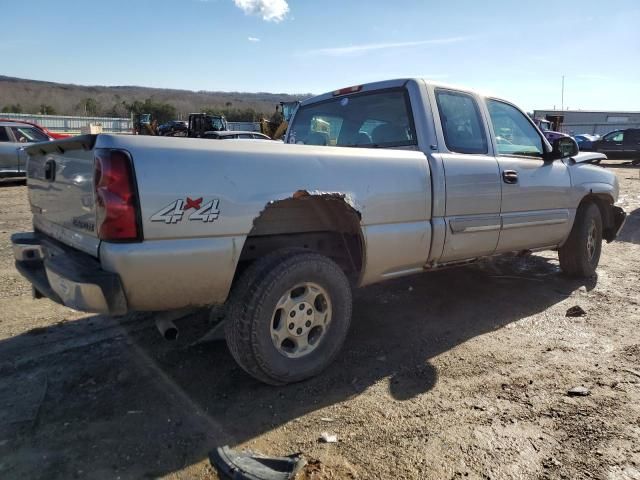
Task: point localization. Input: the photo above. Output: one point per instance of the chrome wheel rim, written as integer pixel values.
(591, 240)
(300, 320)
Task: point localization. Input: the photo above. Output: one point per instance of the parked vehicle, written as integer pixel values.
(46, 131)
(234, 134)
(281, 232)
(585, 141)
(546, 127)
(14, 136)
(203, 123)
(620, 144)
(175, 128)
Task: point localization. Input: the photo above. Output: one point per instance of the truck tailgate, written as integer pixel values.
(60, 185)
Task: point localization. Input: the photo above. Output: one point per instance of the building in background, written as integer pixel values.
(575, 122)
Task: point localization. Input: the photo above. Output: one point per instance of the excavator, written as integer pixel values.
(277, 125)
(145, 125)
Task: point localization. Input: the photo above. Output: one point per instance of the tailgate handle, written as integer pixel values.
(50, 170)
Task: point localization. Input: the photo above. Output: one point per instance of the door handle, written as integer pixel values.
(510, 176)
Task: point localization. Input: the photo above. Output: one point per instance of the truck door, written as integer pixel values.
(472, 212)
(612, 144)
(535, 193)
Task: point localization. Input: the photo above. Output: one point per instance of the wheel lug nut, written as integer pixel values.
(291, 325)
(299, 331)
(308, 324)
(309, 312)
(292, 314)
(301, 307)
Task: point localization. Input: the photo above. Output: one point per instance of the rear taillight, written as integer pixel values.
(116, 198)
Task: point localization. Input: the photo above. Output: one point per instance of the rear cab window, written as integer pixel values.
(379, 119)
(462, 125)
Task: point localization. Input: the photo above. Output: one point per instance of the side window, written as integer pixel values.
(461, 122)
(244, 135)
(4, 135)
(614, 137)
(515, 135)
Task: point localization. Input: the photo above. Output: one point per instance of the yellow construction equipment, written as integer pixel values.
(277, 125)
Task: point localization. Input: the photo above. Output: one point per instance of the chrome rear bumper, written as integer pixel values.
(67, 276)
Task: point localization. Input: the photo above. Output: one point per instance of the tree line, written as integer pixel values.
(161, 111)
(36, 97)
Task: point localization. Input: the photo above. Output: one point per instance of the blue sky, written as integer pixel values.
(516, 49)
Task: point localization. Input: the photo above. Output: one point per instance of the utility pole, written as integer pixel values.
(562, 96)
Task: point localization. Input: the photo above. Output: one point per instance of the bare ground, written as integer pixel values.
(461, 373)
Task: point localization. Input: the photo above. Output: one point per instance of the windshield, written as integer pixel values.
(218, 123)
(544, 125)
(379, 119)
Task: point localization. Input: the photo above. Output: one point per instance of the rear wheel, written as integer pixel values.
(580, 254)
(288, 316)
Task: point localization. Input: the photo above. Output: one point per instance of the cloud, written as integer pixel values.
(269, 10)
(253, 39)
(370, 47)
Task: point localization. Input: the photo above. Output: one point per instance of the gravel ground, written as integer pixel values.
(461, 373)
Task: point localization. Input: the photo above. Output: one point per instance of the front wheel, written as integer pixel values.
(580, 254)
(288, 316)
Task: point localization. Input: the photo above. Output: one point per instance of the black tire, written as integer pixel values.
(576, 258)
(252, 305)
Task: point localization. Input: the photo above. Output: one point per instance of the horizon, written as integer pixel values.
(279, 46)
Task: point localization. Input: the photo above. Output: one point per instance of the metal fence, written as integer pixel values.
(70, 124)
(246, 126)
(595, 128)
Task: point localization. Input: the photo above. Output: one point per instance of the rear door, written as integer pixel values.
(535, 193)
(632, 143)
(472, 211)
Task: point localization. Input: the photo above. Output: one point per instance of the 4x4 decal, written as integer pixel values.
(176, 211)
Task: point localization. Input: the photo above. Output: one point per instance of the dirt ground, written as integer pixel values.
(461, 373)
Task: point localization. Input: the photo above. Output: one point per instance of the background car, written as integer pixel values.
(13, 137)
(585, 141)
(46, 131)
(174, 128)
(620, 144)
(231, 134)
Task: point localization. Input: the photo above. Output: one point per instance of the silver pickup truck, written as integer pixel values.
(373, 182)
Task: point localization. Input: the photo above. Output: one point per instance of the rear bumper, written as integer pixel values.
(67, 276)
(12, 174)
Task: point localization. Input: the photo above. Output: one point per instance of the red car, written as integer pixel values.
(46, 131)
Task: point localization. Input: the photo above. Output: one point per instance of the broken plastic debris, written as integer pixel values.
(575, 311)
(328, 438)
(579, 392)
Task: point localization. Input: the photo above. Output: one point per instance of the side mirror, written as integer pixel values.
(563, 147)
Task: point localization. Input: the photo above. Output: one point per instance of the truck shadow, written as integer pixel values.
(110, 398)
(631, 230)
